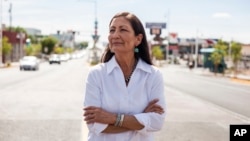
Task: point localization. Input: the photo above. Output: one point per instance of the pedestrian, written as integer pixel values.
(124, 97)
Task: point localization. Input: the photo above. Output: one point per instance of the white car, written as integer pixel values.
(64, 57)
(54, 58)
(29, 63)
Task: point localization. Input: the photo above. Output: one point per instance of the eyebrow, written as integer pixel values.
(122, 26)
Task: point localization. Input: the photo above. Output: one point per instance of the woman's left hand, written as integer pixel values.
(153, 107)
(95, 114)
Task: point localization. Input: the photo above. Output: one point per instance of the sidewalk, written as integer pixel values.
(13, 64)
(203, 71)
(240, 77)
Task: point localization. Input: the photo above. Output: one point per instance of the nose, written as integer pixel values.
(114, 34)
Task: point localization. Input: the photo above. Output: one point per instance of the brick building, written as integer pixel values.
(17, 41)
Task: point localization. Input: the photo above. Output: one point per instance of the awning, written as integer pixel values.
(207, 50)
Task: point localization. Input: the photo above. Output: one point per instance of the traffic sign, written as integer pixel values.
(156, 25)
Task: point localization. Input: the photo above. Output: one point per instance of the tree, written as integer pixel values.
(83, 45)
(33, 39)
(218, 55)
(6, 48)
(18, 29)
(33, 49)
(236, 55)
(48, 45)
(58, 50)
(157, 53)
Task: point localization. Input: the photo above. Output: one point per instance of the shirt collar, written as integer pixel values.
(112, 64)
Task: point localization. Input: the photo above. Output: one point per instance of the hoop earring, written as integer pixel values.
(136, 50)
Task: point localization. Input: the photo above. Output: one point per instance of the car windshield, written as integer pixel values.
(55, 55)
(27, 58)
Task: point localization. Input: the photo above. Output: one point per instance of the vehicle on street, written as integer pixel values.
(64, 57)
(54, 58)
(29, 63)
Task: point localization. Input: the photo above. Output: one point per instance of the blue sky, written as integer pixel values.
(224, 19)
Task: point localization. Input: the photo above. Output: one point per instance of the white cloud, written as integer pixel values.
(222, 15)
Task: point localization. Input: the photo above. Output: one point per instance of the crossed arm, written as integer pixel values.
(94, 114)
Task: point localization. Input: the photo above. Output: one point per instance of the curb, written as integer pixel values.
(244, 79)
(3, 66)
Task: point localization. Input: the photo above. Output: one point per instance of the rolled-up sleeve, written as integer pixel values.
(97, 128)
(154, 121)
(93, 98)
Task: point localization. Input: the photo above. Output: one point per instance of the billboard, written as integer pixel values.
(156, 25)
(173, 38)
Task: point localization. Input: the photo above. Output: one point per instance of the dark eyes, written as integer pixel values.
(113, 30)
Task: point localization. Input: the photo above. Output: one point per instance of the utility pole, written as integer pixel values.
(1, 32)
(10, 12)
(230, 54)
(167, 45)
(229, 50)
(196, 50)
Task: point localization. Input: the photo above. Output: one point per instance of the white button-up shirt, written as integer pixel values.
(106, 88)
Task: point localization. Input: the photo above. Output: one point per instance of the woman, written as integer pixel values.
(124, 98)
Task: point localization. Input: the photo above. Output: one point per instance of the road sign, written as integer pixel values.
(155, 31)
(156, 25)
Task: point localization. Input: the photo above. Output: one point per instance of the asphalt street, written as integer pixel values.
(47, 105)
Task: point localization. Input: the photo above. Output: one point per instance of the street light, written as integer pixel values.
(1, 32)
(95, 36)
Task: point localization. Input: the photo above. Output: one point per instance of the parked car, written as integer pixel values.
(54, 58)
(29, 63)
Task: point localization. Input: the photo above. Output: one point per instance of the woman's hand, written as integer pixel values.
(153, 107)
(95, 114)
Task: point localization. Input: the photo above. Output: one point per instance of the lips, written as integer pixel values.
(117, 43)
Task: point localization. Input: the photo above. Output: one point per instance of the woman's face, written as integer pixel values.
(121, 37)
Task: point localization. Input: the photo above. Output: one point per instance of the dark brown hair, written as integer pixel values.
(138, 29)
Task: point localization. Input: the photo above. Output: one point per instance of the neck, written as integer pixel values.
(125, 61)
(127, 65)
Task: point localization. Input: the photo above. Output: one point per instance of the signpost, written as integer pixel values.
(155, 29)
